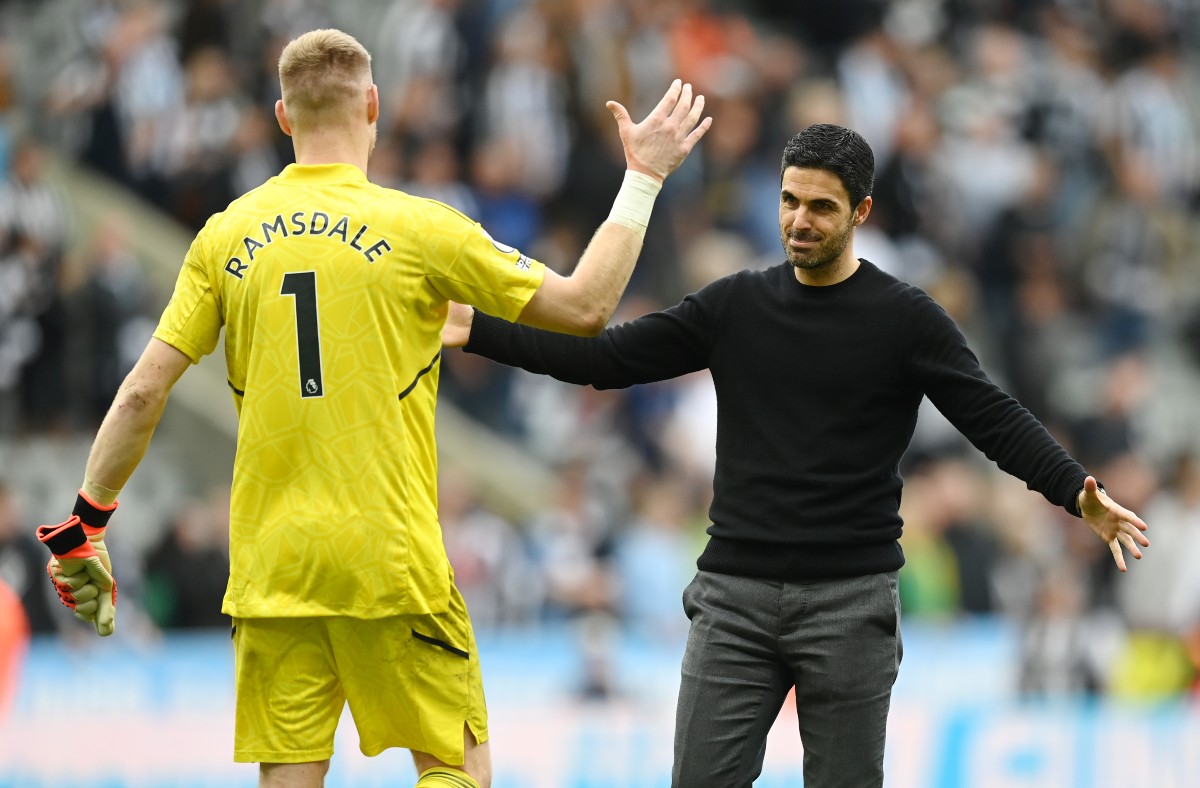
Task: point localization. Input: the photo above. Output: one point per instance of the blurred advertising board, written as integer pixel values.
(148, 714)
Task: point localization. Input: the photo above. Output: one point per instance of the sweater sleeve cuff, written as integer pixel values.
(488, 333)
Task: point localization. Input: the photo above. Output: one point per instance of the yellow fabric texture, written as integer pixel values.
(332, 293)
(411, 682)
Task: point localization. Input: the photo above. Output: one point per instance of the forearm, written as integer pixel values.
(127, 427)
(603, 272)
(1012, 437)
(653, 347)
(543, 352)
(122, 439)
(991, 419)
(585, 301)
(608, 261)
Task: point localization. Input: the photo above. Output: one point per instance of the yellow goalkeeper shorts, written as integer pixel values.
(410, 681)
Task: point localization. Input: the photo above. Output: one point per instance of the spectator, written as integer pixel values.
(1065, 648)
(655, 555)
(186, 572)
(196, 147)
(573, 543)
(420, 53)
(491, 561)
(35, 225)
(147, 90)
(109, 315)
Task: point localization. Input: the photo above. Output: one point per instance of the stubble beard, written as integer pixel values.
(823, 255)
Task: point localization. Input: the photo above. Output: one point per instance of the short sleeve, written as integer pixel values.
(191, 322)
(487, 274)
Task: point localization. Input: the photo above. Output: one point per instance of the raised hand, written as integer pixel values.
(660, 143)
(1114, 524)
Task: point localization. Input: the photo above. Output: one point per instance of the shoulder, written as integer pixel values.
(897, 291)
(250, 203)
(253, 200)
(712, 303)
(425, 209)
(746, 280)
(212, 231)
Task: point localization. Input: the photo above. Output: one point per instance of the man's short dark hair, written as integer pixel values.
(835, 149)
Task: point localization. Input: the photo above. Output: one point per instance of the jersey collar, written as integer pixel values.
(321, 173)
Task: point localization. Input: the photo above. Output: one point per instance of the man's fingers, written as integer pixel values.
(1135, 521)
(87, 601)
(1130, 523)
(679, 112)
(95, 605)
(105, 616)
(670, 99)
(619, 112)
(693, 116)
(1114, 547)
(697, 133)
(657, 145)
(1130, 545)
(74, 582)
(98, 574)
(85, 593)
(86, 611)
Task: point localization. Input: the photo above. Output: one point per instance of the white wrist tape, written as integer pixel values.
(634, 202)
(98, 493)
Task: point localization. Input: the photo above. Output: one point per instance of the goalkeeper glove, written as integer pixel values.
(80, 567)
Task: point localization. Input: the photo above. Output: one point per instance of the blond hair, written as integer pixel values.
(322, 75)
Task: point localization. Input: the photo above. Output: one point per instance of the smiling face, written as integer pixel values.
(816, 225)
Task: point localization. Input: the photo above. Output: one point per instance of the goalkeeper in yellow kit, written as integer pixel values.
(332, 292)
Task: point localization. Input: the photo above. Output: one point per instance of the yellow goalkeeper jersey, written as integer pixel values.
(333, 293)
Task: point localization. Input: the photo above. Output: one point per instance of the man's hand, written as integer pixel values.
(80, 567)
(660, 143)
(457, 329)
(77, 592)
(1114, 524)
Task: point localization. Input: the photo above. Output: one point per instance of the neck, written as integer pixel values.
(334, 146)
(837, 270)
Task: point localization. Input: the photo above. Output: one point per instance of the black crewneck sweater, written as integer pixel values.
(817, 395)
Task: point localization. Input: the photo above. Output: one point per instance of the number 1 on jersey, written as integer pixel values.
(302, 285)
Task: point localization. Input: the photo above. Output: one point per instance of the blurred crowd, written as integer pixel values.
(1037, 171)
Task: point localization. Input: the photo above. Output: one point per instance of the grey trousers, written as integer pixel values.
(836, 641)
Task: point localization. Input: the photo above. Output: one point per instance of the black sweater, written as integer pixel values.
(817, 394)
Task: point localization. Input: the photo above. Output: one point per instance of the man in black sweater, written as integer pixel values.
(819, 366)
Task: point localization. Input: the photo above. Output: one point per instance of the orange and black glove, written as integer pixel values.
(80, 567)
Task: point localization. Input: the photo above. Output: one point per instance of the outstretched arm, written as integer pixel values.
(1114, 524)
(583, 302)
(656, 346)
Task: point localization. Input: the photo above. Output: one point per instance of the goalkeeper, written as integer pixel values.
(332, 292)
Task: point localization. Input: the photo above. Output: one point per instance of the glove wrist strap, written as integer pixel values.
(92, 514)
(63, 538)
